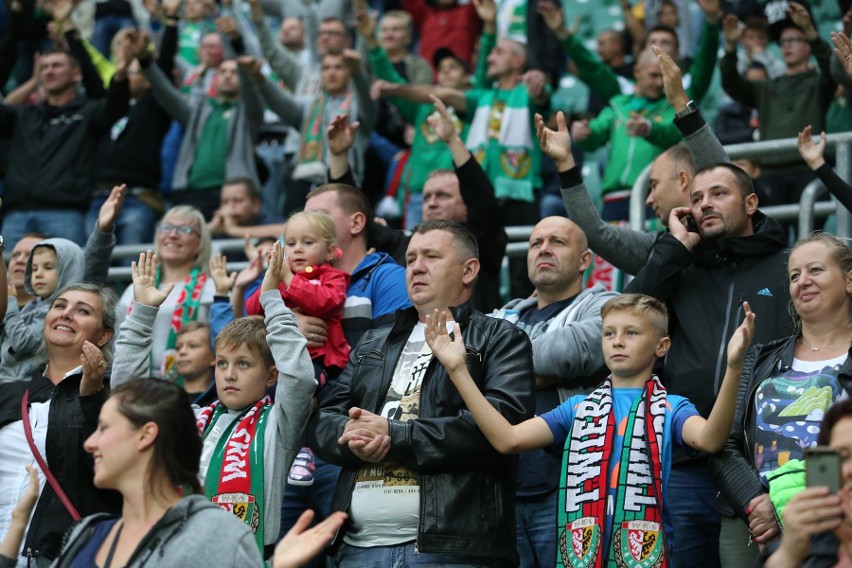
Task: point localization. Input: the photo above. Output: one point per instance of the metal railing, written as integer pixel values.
(806, 210)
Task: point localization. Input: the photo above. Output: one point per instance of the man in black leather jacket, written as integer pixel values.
(418, 476)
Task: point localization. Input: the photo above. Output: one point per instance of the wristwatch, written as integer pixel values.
(689, 109)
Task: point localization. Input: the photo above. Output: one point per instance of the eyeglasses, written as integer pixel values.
(181, 229)
(791, 41)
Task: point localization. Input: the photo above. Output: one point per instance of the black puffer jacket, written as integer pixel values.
(466, 487)
(704, 290)
(733, 469)
(71, 419)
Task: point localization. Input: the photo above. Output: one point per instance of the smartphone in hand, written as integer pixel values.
(822, 468)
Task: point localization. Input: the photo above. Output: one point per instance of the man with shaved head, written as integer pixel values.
(563, 321)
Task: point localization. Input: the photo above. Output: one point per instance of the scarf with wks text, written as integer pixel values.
(234, 478)
(638, 539)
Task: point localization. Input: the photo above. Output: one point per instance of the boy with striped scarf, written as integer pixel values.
(250, 441)
(617, 440)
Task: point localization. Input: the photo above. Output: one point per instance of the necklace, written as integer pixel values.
(815, 349)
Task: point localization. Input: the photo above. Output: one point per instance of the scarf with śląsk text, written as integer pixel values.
(234, 478)
(638, 539)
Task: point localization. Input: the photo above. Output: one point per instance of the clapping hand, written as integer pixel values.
(145, 289)
(94, 369)
(219, 273)
(812, 152)
(111, 208)
(341, 134)
(449, 351)
(441, 122)
(740, 341)
(672, 81)
(273, 272)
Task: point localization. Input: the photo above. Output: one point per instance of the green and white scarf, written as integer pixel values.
(638, 536)
(234, 478)
(311, 164)
(500, 137)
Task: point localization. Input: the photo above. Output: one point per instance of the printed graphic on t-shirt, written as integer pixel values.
(788, 410)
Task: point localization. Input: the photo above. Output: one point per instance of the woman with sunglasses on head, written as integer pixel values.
(53, 410)
(183, 247)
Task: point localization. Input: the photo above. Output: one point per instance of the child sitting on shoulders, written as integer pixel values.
(248, 439)
(617, 440)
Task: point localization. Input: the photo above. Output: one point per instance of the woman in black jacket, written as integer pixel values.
(78, 331)
(788, 385)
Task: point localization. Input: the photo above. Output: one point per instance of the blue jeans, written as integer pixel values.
(414, 211)
(299, 498)
(535, 518)
(63, 223)
(694, 519)
(401, 556)
(273, 192)
(135, 223)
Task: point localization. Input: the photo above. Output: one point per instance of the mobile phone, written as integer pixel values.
(822, 468)
(691, 225)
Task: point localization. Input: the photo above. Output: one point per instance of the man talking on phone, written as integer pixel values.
(737, 254)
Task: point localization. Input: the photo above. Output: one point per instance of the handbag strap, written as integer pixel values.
(51, 479)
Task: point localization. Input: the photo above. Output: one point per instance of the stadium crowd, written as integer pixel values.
(380, 386)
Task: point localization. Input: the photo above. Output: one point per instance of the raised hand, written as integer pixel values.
(365, 22)
(731, 30)
(712, 10)
(251, 272)
(226, 25)
(252, 66)
(171, 8)
(111, 208)
(486, 10)
(555, 143)
(801, 18)
(62, 10)
(94, 369)
(353, 57)
(672, 81)
(273, 271)
(843, 50)
(138, 45)
(145, 289)
(740, 341)
(580, 130)
(341, 134)
(812, 152)
(553, 17)
(441, 122)
(303, 542)
(219, 273)
(535, 82)
(449, 351)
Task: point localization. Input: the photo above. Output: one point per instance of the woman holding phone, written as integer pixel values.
(787, 387)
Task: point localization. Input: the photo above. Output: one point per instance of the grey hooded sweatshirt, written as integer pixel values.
(23, 329)
(193, 532)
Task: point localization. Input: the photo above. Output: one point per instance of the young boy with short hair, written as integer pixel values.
(53, 264)
(249, 441)
(194, 362)
(617, 440)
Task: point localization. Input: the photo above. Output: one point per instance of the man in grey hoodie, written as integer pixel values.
(563, 320)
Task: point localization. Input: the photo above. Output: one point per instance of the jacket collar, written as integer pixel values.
(768, 238)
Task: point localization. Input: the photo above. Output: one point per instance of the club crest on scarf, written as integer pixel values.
(635, 509)
(241, 505)
(585, 536)
(516, 163)
(639, 541)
